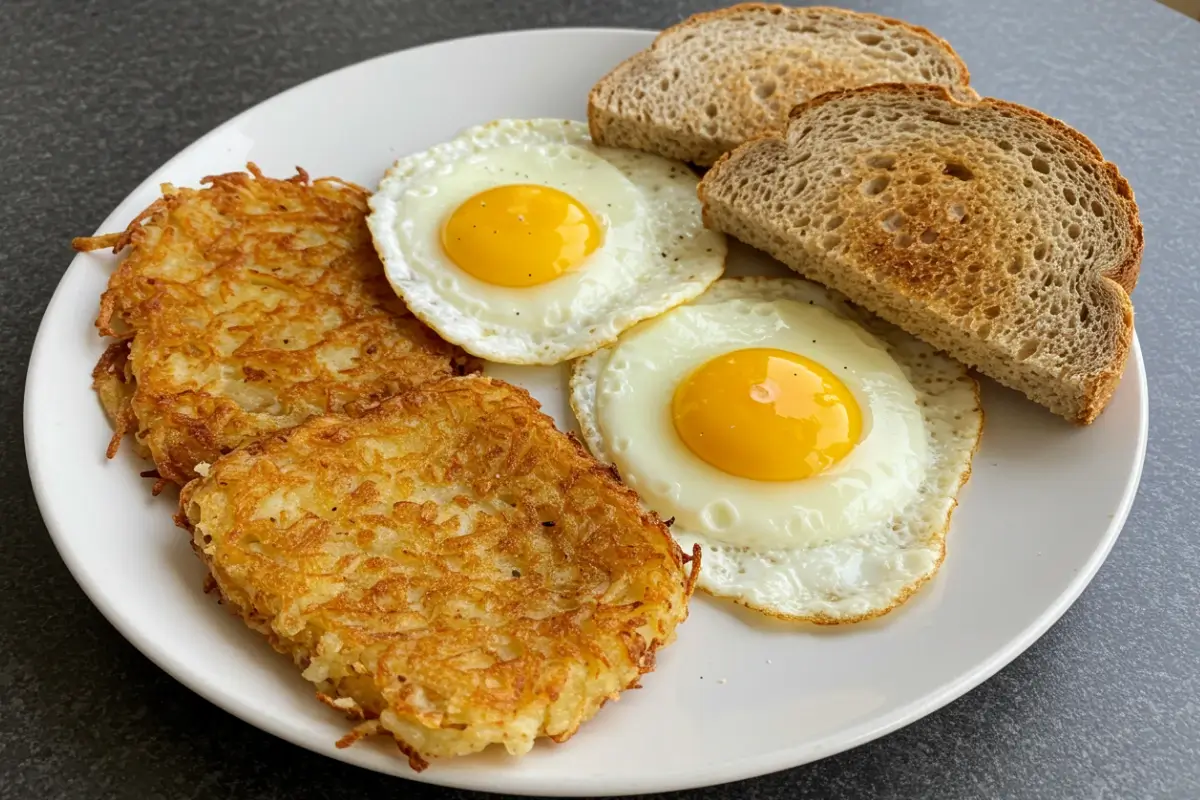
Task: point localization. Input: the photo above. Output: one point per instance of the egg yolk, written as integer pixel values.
(767, 415)
(520, 235)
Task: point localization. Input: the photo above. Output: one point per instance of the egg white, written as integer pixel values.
(633, 401)
(655, 252)
(872, 568)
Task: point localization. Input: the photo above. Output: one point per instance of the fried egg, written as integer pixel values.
(525, 243)
(814, 453)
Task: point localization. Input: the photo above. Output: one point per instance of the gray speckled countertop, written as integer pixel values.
(95, 96)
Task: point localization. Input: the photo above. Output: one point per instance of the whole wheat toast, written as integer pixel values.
(988, 229)
(720, 78)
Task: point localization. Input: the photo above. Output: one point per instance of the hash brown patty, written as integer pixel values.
(247, 307)
(448, 568)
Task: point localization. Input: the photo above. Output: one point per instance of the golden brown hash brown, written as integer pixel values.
(447, 568)
(247, 307)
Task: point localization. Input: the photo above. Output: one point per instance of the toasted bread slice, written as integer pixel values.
(447, 568)
(989, 230)
(721, 78)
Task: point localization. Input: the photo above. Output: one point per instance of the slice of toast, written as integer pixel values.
(721, 78)
(987, 229)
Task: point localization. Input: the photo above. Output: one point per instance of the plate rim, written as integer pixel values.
(502, 781)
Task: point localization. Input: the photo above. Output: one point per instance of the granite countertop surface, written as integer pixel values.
(95, 96)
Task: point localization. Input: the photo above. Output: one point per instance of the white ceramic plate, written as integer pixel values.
(736, 696)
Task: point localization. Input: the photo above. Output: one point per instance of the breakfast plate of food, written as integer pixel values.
(757, 376)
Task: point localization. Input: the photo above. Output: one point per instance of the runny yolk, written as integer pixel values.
(766, 414)
(520, 235)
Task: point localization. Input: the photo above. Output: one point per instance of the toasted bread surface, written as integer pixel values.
(989, 230)
(246, 307)
(447, 568)
(723, 77)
